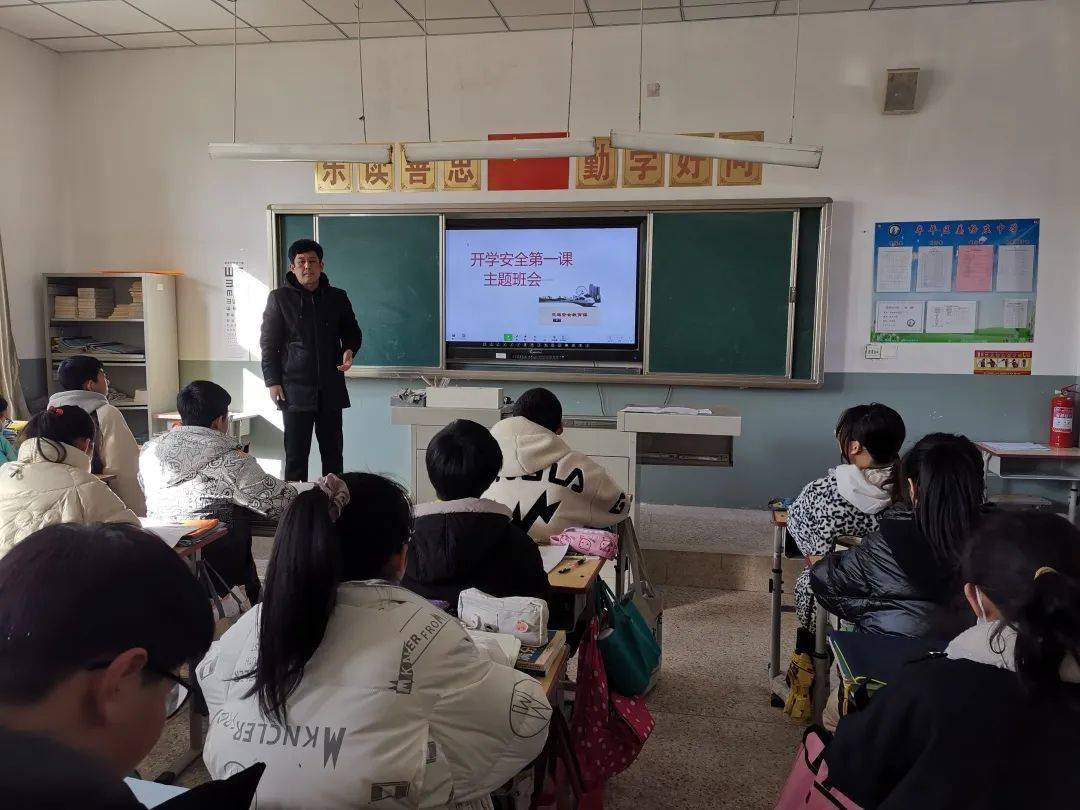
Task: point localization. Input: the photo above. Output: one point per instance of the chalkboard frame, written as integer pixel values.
(639, 376)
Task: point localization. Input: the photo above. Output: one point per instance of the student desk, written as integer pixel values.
(578, 581)
(1043, 464)
(191, 554)
(552, 682)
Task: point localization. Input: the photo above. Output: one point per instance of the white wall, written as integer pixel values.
(995, 137)
(30, 177)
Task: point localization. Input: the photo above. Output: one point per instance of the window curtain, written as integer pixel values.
(10, 386)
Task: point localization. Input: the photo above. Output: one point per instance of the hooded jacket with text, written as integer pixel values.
(549, 487)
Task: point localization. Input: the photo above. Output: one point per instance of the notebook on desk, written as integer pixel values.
(183, 533)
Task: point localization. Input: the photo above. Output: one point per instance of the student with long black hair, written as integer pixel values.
(353, 690)
(903, 578)
(51, 482)
(995, 722)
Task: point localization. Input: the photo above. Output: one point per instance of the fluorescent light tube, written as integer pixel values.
(305, 152)
(781, 154)
(510, 149)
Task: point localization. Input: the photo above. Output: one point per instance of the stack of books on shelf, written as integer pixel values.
(66, 306)
(67, 345)
(95, 302)
(135, 308)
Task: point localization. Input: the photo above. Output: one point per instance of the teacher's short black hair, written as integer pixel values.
(463, 460)
(201, 402)
(540, 406)
(131, 589)
(304, 246)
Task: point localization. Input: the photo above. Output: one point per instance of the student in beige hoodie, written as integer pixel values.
(116, 452)
(548, 486)
(51, 482)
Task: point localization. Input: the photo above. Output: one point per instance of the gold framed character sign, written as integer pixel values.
(600, 169)
(333, 178)
(739, 172)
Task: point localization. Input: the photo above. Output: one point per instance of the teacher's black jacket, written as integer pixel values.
(304, 335)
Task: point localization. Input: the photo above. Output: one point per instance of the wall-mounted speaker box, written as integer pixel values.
(900, 88)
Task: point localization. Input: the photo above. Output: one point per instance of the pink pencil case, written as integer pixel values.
(596, 542)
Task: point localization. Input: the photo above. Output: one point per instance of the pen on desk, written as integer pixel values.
(566, 569)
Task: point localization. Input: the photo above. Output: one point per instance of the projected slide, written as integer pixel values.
(567, 286)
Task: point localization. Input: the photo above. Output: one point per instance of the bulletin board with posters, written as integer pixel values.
(955, 281)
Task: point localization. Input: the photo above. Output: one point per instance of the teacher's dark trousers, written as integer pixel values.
(298, 426)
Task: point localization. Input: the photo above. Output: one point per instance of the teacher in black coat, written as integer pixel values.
(309, 339)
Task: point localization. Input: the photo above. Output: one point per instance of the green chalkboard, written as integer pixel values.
(290, 228)
(802, 367)
(389, 265)
(720, 292)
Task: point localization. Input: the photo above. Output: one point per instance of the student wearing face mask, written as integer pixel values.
(995, 721)
(51, 482)
(902, 578)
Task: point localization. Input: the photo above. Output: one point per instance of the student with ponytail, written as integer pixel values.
(995, 721)
(354, 691)
(903, 577)
(51, 483)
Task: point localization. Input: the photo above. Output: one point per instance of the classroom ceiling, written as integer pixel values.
(104, 25)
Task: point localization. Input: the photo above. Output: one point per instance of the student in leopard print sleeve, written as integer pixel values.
(196, 470)
(848, 500)
(547, 486)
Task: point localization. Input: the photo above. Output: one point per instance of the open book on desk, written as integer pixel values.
(182, 533)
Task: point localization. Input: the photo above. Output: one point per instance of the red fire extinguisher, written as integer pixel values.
(1062, 407)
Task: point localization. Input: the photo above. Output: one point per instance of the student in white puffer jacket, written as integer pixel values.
(51, 482)
(356, 692)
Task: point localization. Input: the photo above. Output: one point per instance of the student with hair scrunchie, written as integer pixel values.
(995, 722)
(51, 482)
(354, 691)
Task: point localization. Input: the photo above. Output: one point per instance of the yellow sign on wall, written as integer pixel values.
(333, 178)
(998, 361)
(415, 176)
(642, 169)
(690, 170)
(460, 175)
(374, 177)
(599, 170)
(739, 172)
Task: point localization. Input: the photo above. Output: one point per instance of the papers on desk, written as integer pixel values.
(669, 409)
(502, 648)
(552, 556)
(151, 794)
(171, 533)
(1013, 447)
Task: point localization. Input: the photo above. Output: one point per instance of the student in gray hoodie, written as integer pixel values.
(847, 501)
(116, 452)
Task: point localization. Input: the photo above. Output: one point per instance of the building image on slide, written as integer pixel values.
(583, 297)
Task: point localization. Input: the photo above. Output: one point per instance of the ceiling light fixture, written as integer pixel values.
(305, 152)
(780, 154)
(512, 149)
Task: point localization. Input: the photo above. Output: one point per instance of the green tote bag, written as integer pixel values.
(631, 654)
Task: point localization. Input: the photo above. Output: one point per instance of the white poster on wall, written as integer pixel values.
(894, 269)
(899, 316)
(231, 348)
(959, 317)
(935, 269)
(1016, 268)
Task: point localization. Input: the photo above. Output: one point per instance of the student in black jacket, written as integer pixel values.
(902, 578)
(465, 541)
(95, 623)
(995, 723)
